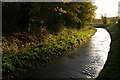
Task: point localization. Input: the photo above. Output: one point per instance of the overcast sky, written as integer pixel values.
(108, 7)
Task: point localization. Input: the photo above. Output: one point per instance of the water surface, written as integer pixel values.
(86, 61)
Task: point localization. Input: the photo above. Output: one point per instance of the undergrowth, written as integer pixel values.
(52, 46)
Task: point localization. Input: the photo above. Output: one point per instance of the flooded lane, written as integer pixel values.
(86, 61)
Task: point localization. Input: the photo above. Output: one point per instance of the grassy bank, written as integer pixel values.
(111, 69)
(53, 46)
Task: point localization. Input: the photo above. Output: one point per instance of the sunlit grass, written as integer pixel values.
(54, 45)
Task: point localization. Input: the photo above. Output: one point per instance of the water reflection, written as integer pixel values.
(85, 61)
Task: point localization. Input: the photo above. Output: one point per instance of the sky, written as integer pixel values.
(106, 7)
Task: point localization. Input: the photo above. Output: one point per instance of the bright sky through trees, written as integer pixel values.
(106, 7)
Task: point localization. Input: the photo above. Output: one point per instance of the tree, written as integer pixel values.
(15, 16)
(80, 13)
(104, 19)
(53, 16)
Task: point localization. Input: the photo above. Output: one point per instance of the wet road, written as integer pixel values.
(86, 61)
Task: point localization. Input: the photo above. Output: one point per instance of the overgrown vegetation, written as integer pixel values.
(26, 25)
(54, 46)
(40, 31)
(111, 69)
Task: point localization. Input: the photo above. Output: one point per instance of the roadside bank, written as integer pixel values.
(56, 46)
(111, 69)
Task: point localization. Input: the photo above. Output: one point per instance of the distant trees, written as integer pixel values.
(108, 20)
(49, 15)
(104, 19)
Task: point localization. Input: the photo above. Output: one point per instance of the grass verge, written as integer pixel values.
(54, 46)
(111, 70)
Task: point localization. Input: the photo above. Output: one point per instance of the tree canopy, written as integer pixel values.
(24, 16)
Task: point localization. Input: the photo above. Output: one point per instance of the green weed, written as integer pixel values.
(54, 46)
